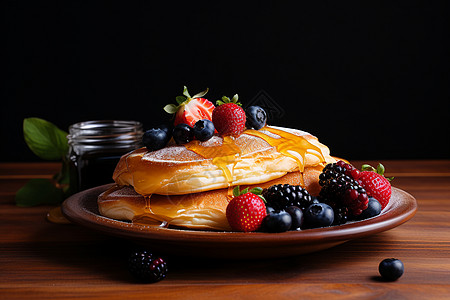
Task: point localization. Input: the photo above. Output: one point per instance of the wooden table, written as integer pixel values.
(39, 259)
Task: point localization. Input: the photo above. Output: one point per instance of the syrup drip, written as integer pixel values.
(289, 144)
(222, 155)
(148, 217)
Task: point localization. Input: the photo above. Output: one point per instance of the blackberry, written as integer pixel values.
(340, 190)
(147, 267)
(281, 196)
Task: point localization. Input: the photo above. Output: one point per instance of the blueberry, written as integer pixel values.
(296, 215)
(373, 209)
(269, 209)
(391, 269)
(183, 133)
(277, 221)
(156, 138)
(318, 215)
(256, 117)
(203, 130)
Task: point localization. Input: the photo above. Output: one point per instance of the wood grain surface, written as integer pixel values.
(43, 260)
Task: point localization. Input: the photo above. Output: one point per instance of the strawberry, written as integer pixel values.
(229, 117)
(375, 184)
(246, 210)
(190, 109)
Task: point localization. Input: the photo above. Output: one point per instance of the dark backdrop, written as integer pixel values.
(371, 80)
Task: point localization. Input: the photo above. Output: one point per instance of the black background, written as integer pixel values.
(371, 80)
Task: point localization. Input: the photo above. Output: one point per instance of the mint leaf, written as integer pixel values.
(180, 99)
(37, 192)
(201, 94)
(170, 108)
(185, 92)
(236, 191)
(45, 139)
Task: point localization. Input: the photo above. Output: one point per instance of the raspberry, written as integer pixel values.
(146, 267)
(281, 196)
(340, 191)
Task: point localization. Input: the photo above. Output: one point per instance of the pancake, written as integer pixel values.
(254, 157)
(204, 210)
(190, 185)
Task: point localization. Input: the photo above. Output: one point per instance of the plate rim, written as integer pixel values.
(388, 219)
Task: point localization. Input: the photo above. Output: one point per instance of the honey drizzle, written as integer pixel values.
(222, 155)
(147, 218)
(287, 143)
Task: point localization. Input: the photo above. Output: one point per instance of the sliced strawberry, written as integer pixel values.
(191, 109)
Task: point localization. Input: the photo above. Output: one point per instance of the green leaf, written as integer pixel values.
(390, 178)
(226, 99)
(236, 191)
(367, 168)
(219, 102)
(256, 190)
(244, 191)
(170, 108)
(180, 99)
(37, 192)
(201, 94)
(380, 169)
(45, 139)
(235, 98)
(185, 92)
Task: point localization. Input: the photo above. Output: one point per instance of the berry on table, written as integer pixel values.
(146, 267)
(183, 133)
(156, 138)
(391, 269)
(203, 130)
(256, 117)
(229, 117)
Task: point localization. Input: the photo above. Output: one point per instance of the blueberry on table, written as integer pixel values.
(391, 269)
(203, 130)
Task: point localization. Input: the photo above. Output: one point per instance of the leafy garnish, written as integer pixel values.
(379, 170)
(256, 190)
(48, 142)
(45, 139)
(225, 100)
(183, 100)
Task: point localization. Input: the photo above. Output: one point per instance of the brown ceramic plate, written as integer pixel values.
(82, 209)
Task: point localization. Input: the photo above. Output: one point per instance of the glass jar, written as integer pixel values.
(95, 148)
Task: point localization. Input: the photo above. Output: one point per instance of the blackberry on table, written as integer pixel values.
(340, 190)
(281, 196)
(146, 267)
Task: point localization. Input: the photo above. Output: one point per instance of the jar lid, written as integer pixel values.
(101, 132)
